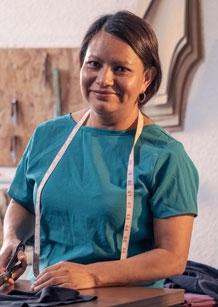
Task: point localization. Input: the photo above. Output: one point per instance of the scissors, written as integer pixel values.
(13, 265)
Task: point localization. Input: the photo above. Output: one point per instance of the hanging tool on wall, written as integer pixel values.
(13, 148)
(14, 109)
(13, 144)
(45, 68)
(57, 91)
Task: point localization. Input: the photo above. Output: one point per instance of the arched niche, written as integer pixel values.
(177, 24)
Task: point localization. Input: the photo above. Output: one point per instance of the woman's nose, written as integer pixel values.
(105, 77)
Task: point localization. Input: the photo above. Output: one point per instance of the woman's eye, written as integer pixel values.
(121, 69)
(93, 64)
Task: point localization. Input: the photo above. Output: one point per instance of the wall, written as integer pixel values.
(201, 139)
(54, 23)
(62, 23)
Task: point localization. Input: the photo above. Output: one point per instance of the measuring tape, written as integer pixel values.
(129, 191)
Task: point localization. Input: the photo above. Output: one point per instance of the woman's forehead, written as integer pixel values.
(105, 44)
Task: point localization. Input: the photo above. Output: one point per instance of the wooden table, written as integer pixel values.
(120, 296)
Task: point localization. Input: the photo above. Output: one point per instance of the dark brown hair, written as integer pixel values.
(137, 33)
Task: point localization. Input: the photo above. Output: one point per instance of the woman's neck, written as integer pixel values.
(111, 121)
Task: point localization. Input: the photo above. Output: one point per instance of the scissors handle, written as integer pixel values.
(12, 266)
(12, 263)
(4, 277)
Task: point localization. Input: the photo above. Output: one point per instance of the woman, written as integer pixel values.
(115, 201)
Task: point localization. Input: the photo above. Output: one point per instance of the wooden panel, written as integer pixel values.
(28, 76)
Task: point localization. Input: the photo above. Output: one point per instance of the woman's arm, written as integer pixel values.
(18, 223)
(169, 257)
(18, 226)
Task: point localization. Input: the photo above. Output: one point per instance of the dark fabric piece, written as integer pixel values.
(49, 296)
(197, 278)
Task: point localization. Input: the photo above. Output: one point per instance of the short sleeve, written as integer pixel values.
(46, 140)
(174, 184)
(21, 189)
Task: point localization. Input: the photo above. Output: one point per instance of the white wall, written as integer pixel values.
(62, 23)
(200, 138)
(54, 23)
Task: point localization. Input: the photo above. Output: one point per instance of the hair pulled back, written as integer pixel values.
(137, 33)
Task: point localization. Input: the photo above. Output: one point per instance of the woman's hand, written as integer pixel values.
(65, 274)
(6, 254)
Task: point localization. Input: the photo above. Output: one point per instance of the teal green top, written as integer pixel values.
(83, 203)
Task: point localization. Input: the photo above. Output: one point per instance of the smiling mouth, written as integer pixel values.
(99, 92)
(102, 94)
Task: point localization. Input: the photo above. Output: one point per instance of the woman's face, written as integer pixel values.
(112, 75)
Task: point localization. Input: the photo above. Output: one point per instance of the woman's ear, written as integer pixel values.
(149, 76)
